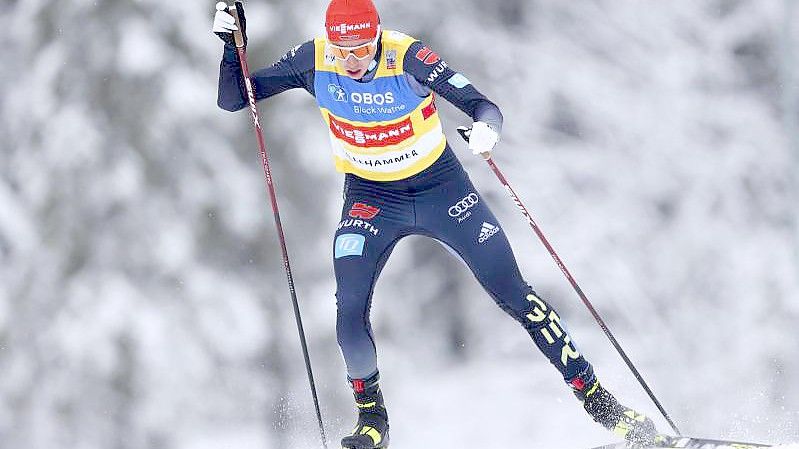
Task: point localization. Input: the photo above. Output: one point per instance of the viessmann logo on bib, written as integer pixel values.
(372, 136)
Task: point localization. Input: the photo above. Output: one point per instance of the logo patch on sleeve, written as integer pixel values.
(459, 81)
(429, 57)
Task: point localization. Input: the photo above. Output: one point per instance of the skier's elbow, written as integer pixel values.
(494, 109)
(487, 111)
(500, 118)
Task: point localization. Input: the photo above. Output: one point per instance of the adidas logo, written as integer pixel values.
(487, 231)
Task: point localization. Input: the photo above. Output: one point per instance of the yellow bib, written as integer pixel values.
(381, 129)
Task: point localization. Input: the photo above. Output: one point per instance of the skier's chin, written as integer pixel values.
(355, 74)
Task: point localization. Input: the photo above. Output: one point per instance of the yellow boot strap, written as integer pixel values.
(372, 433)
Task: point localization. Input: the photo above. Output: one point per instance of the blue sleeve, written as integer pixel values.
(295, 69)
(430, 70)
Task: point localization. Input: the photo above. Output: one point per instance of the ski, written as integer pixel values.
(690, 443)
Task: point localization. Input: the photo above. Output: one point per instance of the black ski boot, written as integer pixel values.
(371, 432)
(634, 427)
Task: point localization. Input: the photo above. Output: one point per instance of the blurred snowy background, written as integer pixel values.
(144, 303)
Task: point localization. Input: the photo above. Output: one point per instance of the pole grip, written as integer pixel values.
(238, 36)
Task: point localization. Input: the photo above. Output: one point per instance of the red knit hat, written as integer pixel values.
(349, 20)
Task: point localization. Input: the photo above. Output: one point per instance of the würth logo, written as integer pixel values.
(427, 56)
(363, 211)
(345, 28)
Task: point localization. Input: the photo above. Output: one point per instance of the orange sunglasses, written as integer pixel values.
(360, 51)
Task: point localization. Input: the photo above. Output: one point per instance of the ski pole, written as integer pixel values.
(464, 132)
(242, 52)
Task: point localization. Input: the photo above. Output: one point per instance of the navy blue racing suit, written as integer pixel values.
(439, 202)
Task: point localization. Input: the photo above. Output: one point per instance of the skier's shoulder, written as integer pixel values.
(301, 56)
(423, 63)
(394, 37)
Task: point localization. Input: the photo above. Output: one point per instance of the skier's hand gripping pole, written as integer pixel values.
(222, 26)
(480, 137)
(465, 134)
(231, 30)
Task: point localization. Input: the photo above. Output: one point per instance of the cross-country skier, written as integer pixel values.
(376, 91)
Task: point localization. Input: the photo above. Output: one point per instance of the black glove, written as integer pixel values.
(225, 24)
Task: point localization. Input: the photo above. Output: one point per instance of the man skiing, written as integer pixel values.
(376, 89)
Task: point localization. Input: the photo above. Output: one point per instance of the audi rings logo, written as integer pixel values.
(460, 210)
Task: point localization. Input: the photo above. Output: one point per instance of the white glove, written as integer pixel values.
(223, 21)
(482, 139)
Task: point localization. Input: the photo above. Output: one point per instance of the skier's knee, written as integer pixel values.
(352, 306)
(352, 316)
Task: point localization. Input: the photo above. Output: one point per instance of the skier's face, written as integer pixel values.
(355, 68)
